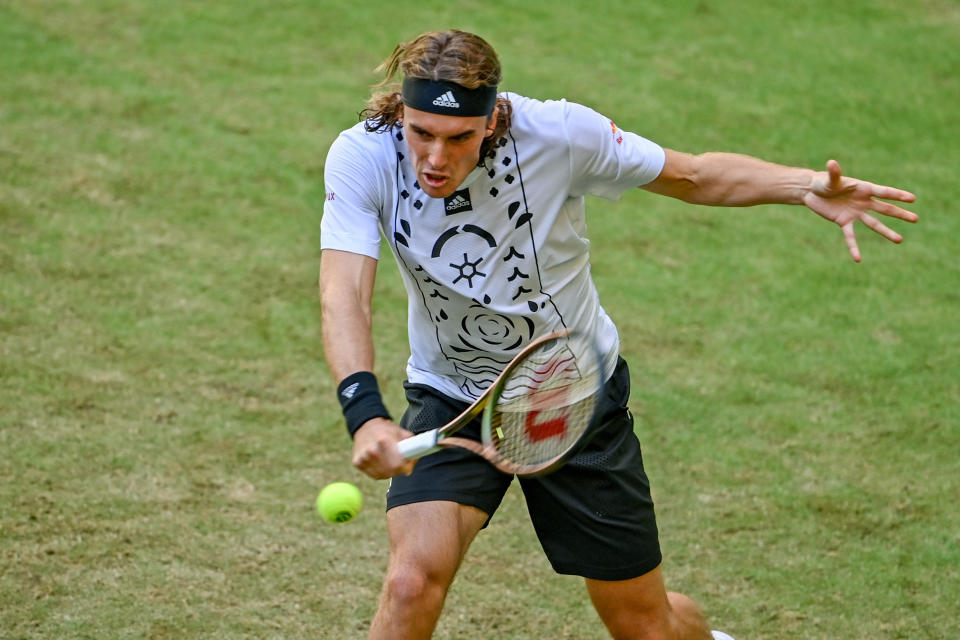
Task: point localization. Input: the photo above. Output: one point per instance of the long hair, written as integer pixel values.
(454, 56)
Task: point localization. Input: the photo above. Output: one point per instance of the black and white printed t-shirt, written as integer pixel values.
(503, 259)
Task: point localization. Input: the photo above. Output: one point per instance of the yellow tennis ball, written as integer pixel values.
(339, 502)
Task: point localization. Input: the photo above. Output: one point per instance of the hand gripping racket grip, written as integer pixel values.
(419, 445)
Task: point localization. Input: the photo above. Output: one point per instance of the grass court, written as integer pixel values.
(166, 417)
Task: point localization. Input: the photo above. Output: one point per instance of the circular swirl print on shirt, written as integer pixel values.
(485, 330)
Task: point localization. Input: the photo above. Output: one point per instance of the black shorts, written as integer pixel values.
(594, 516)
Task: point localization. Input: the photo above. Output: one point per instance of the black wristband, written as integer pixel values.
(360, 400)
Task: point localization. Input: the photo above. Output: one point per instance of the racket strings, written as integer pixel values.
(543, 404)
(537, 428)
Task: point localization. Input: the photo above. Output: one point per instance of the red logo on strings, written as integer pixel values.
(543, 428)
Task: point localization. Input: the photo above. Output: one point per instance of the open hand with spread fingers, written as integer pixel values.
(845, 200)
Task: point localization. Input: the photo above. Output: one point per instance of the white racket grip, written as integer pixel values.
(419, 445)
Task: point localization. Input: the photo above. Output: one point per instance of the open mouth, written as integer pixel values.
(434, 179)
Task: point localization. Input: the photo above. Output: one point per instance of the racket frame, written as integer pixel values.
(488, 449)
(433, 440)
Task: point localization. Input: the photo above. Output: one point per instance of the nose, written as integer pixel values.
(437, 154)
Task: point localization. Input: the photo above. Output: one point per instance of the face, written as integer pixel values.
(445, 149)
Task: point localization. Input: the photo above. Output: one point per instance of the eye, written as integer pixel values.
(420, 134)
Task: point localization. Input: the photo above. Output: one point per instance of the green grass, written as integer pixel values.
(166, 418)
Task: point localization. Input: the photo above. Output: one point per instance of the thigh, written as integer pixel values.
(431, 538)
(594, 516)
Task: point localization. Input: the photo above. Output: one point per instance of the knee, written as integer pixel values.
(412, 587)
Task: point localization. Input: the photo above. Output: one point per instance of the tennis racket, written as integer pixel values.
(535, 412)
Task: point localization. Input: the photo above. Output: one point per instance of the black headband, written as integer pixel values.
(448, 98)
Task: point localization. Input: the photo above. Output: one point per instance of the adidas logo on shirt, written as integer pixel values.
(447, 100)
(458, 201)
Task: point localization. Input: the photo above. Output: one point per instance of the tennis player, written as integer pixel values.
(480, 196)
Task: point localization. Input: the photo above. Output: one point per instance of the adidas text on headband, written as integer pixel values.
(448, 98)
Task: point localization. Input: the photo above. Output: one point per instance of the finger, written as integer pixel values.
(360, 460)
(835, 183)
(892, 210)
(365, 464)
(370, 460)
(881, 228)
(891, 193)
(835, 173)
(388, 453)
(396, 463)
(407, 467)
(851, 239)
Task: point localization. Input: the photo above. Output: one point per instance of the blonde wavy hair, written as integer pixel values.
(454, 56)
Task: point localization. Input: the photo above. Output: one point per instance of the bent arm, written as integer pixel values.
(730, 180)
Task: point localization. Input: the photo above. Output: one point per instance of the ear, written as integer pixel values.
(492, 121)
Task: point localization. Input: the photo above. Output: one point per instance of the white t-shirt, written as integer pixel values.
(503, 259)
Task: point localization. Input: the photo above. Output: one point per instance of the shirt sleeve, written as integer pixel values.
(606, 160)
(351, 212)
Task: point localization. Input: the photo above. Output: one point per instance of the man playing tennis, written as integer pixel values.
(480, 196)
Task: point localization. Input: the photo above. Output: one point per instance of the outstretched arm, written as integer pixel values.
(346, 290)
(733, 180)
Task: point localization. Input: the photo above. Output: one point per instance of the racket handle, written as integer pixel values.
(419, 445)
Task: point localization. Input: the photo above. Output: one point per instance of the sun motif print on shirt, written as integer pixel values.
(468, 270)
